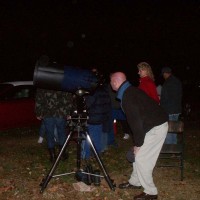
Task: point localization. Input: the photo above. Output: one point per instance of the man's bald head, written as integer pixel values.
(116, 79)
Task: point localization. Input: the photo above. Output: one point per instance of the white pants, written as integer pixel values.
(146, 157)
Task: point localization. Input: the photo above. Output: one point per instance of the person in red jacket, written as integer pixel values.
(147, 81)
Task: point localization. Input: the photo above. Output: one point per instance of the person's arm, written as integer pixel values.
(134, 120)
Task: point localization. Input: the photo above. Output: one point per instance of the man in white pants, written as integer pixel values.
(148, 122)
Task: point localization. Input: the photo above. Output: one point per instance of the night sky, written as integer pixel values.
(110, 35)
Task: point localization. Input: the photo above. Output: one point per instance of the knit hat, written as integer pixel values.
(166, 70)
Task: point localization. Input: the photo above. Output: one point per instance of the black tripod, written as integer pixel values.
(78, 123)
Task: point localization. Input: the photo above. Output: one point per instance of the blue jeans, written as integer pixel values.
(95, 132)
(104, 141)
(110, 135)
(42, 131)
(50, 124)
(171, 138)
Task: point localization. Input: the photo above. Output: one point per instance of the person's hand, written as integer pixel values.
(39, 118)
(136, 149)
(69, 117)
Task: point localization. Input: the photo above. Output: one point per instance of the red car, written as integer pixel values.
(17, 105)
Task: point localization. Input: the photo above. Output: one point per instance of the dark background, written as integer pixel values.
(110, 35)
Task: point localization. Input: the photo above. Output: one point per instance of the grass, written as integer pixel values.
(24, 163)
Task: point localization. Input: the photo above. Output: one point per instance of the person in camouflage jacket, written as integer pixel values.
(53, 107)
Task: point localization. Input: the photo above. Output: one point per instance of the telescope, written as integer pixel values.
(65, 78)
(51, 76)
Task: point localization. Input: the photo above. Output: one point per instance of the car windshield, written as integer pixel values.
(9, 92)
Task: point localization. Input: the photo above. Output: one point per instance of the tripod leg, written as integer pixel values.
(53, 168)
(79, 153)
(106, 176)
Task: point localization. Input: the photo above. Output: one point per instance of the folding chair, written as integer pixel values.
(172, 155)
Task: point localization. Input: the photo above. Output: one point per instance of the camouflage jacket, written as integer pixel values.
(50, 103)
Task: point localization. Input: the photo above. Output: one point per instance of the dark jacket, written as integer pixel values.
(171, 95)
(99, 106)
(142, 112)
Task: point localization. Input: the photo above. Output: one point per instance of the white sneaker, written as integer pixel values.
(40, 140)
(126, 136)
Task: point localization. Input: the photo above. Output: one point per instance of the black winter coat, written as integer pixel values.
(99, 106)
(142, 113)
(171, 95)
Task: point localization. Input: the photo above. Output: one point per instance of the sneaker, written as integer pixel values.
(40, 140)
(126, 136)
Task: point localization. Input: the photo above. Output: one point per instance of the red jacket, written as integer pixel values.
(149, 87)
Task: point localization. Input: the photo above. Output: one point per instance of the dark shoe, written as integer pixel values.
(128, 186)
(64, 154)
(144, 196)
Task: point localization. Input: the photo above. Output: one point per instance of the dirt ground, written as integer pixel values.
(24, 163)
